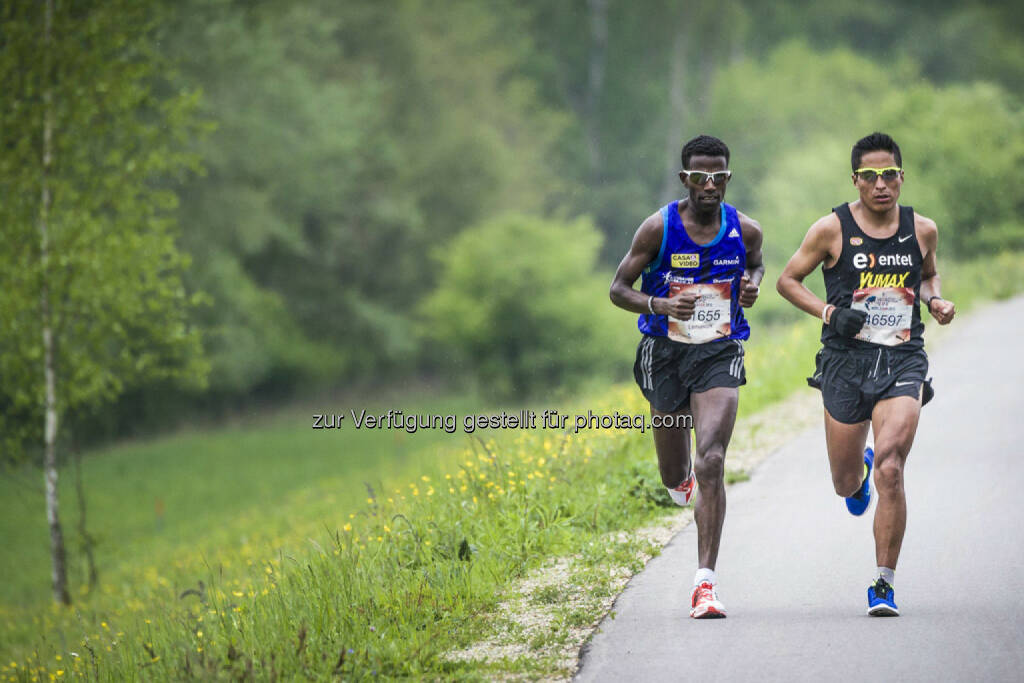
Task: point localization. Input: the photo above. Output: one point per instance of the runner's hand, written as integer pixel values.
(942, 310)
(847, 322)
(679, 306)
(748, 292)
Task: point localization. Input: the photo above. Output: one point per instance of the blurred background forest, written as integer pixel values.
(378, 194)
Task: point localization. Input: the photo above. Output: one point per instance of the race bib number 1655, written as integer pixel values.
(711, 319)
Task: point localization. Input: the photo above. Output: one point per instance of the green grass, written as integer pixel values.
(275, 520)
(272, 558)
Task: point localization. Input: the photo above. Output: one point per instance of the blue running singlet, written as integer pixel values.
(713, 271)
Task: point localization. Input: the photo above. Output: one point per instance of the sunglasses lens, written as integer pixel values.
(868, 176)
(698, 178)
(720, 178)
(890, 175)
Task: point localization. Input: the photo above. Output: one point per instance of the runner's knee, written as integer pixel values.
(847, 483)
(710, 466)
(889, 475)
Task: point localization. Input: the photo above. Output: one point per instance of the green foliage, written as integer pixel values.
(111, 275)
(351, 139)
(519, 307)
(963, 148)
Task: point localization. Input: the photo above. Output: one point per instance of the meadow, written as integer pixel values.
(269, 549)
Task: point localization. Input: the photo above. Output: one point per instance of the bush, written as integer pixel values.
(519, 307)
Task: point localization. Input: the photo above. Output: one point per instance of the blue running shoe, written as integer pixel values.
(858, 502)
(880, 600)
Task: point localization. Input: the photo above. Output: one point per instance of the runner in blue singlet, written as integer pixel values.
(700, 262)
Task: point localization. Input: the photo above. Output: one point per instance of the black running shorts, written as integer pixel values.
(853, 381)
(668, 371)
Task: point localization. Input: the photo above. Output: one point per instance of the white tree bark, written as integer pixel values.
(57, 552)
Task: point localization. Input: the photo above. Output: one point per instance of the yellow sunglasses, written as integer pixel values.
(870, 175)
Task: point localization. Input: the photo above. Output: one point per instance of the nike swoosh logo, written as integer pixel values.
(904, 238)
(904, 384)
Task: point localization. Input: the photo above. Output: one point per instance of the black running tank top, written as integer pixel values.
(881, 277)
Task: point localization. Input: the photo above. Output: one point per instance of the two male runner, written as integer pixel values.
(701, 263)
(879, 265)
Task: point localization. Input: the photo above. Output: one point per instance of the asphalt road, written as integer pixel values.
(794, 566)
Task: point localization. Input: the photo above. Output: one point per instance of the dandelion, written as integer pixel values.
(347, 527)
(238, 594)
(425, 478)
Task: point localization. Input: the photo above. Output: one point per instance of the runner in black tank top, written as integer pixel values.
(885, 276)
(879, 269)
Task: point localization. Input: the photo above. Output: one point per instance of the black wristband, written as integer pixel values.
(928, 303)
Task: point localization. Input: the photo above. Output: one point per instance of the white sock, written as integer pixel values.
(888, 574)
(704, 574)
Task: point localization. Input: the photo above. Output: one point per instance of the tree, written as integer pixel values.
(93, 297)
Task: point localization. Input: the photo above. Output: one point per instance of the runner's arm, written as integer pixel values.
(931, 284)
(645, 248)
(817, 247)
(754, 271)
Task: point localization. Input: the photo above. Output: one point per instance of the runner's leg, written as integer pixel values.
(845, 444)
(714, 417)
(673, 447)
(895, 423)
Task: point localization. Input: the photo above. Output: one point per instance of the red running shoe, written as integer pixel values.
(705, 603)
(684, 493)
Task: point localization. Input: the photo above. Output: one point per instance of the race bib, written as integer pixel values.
(889, 312)
(711, 318)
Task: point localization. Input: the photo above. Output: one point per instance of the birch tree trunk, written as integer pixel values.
(59, 573)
